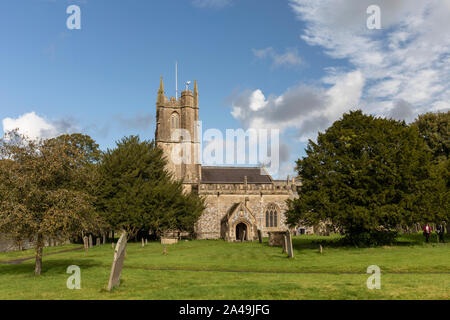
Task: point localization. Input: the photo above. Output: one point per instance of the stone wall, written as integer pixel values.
(220, 198)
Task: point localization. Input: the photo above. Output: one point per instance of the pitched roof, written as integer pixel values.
(235, 175)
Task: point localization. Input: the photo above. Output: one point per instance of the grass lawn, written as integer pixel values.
(214, 269)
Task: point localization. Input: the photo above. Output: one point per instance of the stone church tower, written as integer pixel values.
(239, 200)
(177, 134)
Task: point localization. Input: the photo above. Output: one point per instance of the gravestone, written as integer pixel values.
(112, 244)
(104, 238)
(146, 242)
(86, 243)
(165, 251)
(119, 257)
(290, 250)
(91, 244)
(260, 236)
(97, 242)
(243, 236)
(320, 249)
(284, 244)
(143, 243)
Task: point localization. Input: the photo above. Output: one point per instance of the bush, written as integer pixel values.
(370, 238)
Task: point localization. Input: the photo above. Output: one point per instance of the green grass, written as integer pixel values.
(214, 269)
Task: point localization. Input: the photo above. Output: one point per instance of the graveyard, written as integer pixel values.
(216, 269)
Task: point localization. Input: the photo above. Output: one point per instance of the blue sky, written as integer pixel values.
(292, 65)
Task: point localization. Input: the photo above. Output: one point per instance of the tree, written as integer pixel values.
(366, 176)
(135, 191)
(43, 192)
(434, 128)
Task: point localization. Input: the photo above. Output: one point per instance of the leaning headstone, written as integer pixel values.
(284, 244)
(119, 257)
(260, 236)
(289, 244)
(91, 243)
(86, 243)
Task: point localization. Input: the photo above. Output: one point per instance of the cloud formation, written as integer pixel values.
(140, 120)
(289, 58)
(407, 60)
(35, 127)
(398, 72)
(306, 108)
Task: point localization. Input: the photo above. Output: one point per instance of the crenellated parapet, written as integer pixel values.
(253, 189)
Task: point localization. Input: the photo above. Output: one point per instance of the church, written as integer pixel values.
(239, 200)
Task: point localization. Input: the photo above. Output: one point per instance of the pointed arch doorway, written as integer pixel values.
(241, 232)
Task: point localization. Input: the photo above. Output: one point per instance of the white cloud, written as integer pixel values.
(399, 71)
(408, 60)
(306, 108)
(289, 58)
(34, 126)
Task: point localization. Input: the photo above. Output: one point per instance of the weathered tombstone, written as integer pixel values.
(112, 244)
(320, 249)
(146, 242)
(284, 244)
(97, 242)
(143, 243)
(260, 236)
(86, 243)
(290, 250)
(243, 236)
(119, 257)
(91, 244)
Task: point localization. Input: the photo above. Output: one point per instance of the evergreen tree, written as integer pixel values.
(136, 192)
(366, 176)
(434, 128)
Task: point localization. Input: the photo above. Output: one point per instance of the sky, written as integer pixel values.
(291, 65)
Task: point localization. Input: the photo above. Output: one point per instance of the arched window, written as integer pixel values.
(271, 216)
(174, 121)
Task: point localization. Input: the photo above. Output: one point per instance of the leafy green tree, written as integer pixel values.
(136, 192)
(43, 191)
(435, 130)
(366, 176)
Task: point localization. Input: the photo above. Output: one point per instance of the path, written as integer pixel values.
(19, 261)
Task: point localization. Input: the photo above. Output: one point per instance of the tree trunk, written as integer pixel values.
(38, 265)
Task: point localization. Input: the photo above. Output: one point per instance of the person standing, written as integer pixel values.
(427, 232)
(440, 231)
